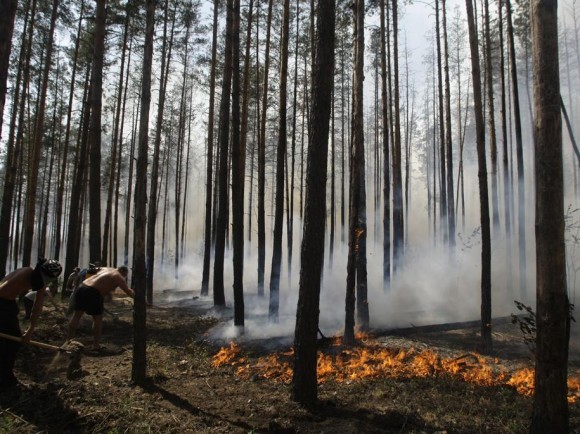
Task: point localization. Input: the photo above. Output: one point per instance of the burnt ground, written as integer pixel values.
(186, 393)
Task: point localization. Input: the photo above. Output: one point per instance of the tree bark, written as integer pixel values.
(519, 153)
(304, 379)
(115, 144)
(153, 191)
(280, 159)
(7, 15)
(209, 163)
(95, 141)
(61, 184)
(491, 120)
(34, 157)
(550, 409)
(448, 140)
(262, 161)
(238, 164)
(13, 146)
(398, 219)
(139, 367)
(357, 219)
(486, 342)
(218, 274)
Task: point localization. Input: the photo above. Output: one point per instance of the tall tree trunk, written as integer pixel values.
(398, 219)
(34, 157)
(508, 203)
(129, 193)
(47, 171)
(386, 159)
(262, 161)
(95, 152)
(13, 145)
(486, 342)
(491, 120)
(519, 153)
(304, 379)
(139, 368)
(218, 274)
(550, 410)
(115, 144)
(357, 224)
(120, 151)
(443, 177)
(290, 196)
(239, 162)
(448, 141)
(153, 191)
(280, 159)
(181, 145)
(63, 167)
(7, 15)
(209, 163)
(76, 196)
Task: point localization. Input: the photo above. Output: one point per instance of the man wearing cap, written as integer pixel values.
(12, 286)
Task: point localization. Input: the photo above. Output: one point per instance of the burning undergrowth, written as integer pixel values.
(372, 359)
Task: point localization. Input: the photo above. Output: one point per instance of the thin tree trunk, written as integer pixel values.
(34, 158)
(486, 341)
(448, 140)
(398, 219)
(131, 158)
(61, 184)
(76, 197)
(357, 224)
(153, 191)
(442, 166)
(508, 202)
(209, 162)
(290, 195)
(118, 181)
(239, 161)
(280, 158)
(139, 367)
(491, 121)
(262, 161)
(218, 275)
(13, 145)
(519, 153)
(115, 144)
(95, 151)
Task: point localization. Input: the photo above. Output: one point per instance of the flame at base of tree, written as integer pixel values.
(371, 360)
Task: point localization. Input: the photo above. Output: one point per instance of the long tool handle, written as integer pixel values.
(34, 343)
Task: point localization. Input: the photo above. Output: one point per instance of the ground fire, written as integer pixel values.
(373, 360)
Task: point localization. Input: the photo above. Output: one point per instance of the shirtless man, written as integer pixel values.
(12, 286)
(90, 297)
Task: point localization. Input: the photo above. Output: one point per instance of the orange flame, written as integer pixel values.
(376, 361)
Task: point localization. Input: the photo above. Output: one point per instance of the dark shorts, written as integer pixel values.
(89, 300)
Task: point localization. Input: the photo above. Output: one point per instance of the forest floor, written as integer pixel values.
(432, 382)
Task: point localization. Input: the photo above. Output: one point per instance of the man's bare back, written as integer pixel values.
(105, 281)
(16, 283)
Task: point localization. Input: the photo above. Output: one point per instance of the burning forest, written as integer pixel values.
(371, 359)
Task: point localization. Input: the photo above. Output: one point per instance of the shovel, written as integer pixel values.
(72, 348)
(36, 343)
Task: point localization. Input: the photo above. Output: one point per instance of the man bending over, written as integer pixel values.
(13, 286)
(90, 298)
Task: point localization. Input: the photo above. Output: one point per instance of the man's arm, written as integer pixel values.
(36, 310)
(122, 283)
